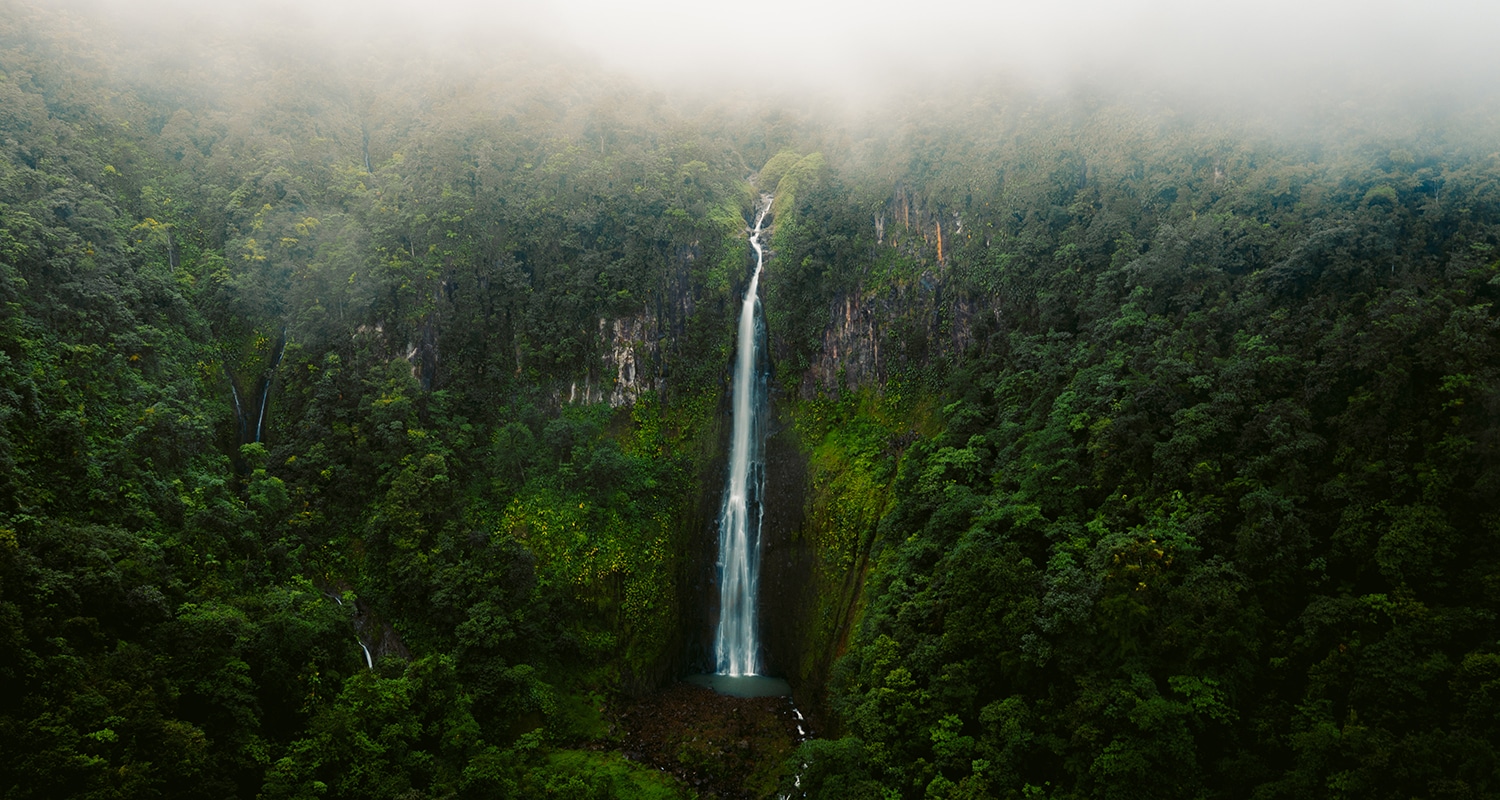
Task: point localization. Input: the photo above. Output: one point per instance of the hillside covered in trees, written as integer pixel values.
(362, 427)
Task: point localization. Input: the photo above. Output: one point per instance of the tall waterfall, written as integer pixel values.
(737, 644)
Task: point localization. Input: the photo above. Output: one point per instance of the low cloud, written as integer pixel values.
(845, 48)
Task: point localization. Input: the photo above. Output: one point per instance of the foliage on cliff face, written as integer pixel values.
(286, 370)
(1213, 511)
(1163, 464)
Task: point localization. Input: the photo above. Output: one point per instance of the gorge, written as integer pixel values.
(389, 422)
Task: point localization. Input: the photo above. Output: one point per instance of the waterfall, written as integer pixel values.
(260, 421)
(239, 413)
(265, 392)
(737, 645)
(369, 660)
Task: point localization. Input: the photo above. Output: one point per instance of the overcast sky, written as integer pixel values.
(836, 45)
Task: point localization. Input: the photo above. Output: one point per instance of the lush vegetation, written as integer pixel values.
(285, 378)
(359, 429)
(1213, 507)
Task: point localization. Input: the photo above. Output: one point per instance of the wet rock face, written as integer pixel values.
(871, 336)
(852, 349)
(423, 354)
(699, 581)
(786, 561)
(629, 348)
(634, 349)
(625, 357)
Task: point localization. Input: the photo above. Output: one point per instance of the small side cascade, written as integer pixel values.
(265, 392)
(239, 410)
(369, 659)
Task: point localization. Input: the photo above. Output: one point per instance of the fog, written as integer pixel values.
(850, 50)
(851, 45)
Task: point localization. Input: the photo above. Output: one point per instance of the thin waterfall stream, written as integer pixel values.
(737, 643)
(265, 391)
(239, 411)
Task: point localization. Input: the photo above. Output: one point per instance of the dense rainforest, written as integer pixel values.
(362, 427)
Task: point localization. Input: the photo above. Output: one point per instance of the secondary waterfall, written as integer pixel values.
(239, 413)
(737, 643)
(265, 391)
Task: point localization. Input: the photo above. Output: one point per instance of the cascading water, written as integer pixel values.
(265, 391)
(370, 660)
(239, 413)
(260, 421)
(737, 643)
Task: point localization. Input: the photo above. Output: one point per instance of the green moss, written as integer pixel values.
(854, 445)
(729, 222)
(611, 775)
(802, 176)
(778, 165)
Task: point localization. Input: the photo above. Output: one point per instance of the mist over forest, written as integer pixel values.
(1105, 399)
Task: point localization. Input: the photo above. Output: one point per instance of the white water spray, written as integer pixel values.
(260, 421)
(239, 413)
(737, 643)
